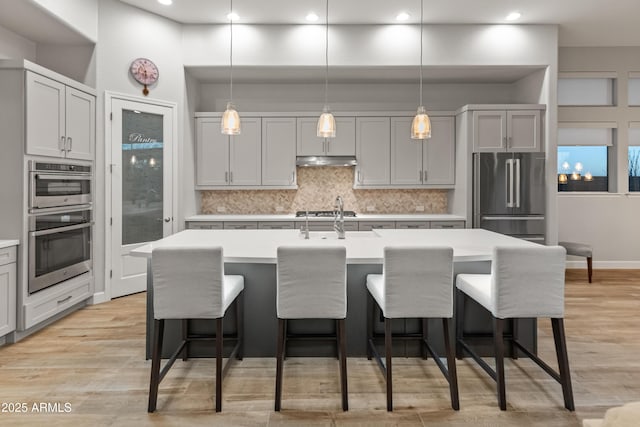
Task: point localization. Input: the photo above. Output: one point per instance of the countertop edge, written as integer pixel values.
(361, 217)
(8, 243)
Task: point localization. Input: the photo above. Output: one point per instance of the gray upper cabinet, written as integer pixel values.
(423, 162)
(372, 151)
(506, 130)
(228, 160)
(279, 151)
(309, 144)
(60, 120)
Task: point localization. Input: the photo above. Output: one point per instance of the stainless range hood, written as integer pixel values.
(326, 161)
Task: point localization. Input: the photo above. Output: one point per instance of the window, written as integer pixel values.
(583, 158)
(634, 158)
(634, 89)
(583, 91)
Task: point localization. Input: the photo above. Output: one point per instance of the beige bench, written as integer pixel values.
(580, 249)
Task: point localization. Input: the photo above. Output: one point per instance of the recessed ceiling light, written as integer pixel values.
(311, 17)
(513, 16)
(402, 16)
(233, 16)
(165, 2)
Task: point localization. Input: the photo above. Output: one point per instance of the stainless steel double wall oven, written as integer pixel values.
(60, 222)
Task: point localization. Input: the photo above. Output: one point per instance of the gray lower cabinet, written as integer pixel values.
(447, 224)
(412, 224)
(204, 225)
(370, 225)
(327, 225)
(240, 225)
(7, 290)
(275, 225)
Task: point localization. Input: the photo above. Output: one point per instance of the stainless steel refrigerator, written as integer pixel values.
(509, 194)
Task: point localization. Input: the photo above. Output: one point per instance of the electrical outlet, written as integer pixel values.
(221, 209)
(279, 209)
(419, 208)
(371, 208)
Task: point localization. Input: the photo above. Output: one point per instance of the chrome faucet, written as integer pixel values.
(305, 230)
(338, 221)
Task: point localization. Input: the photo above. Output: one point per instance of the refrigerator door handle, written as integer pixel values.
(509, 182)
(517, 184)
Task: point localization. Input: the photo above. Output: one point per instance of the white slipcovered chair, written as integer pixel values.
(417, 282)
(311, 284)
(525, 282)
(189, 283)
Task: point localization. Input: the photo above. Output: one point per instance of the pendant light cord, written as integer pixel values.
(231, 51)
(326, 56)
(421, 19)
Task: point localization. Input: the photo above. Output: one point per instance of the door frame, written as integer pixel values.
(109, 96)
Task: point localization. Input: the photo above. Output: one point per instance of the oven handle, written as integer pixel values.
(60, 229)
(63, 176)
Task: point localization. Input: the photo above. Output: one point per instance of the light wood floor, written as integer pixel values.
(94, 361)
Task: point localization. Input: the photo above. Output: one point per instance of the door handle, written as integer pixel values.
(509, 182)
(62, 144)
(293, 177)
(226, 177)
(328, 147)
(517, 184)
(424, 179)
(231, 176)
(167, 219)
(70, 141)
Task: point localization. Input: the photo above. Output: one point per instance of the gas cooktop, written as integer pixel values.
(318, 214)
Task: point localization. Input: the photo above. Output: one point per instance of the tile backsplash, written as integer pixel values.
(317, 190)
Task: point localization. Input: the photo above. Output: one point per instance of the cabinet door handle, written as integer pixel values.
(70, 143)
(63, 300)
(359, 176)
(424, 179)
(231, 176)
(505, 142)
(293, 177)
(510, 142)
(419, 175)
(226, 177)
(328, 149)
(62, 145)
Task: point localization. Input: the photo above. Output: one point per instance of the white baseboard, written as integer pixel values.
(623, 265)
(99, 298)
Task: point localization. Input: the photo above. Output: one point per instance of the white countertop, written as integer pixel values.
(8, 243)
(359, 217)
(363, 247)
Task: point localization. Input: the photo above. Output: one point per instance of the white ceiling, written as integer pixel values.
(581, 22)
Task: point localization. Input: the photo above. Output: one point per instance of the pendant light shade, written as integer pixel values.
(326, 125)
(326, 122)
(230, 124)
(421, 126)
(230, 121)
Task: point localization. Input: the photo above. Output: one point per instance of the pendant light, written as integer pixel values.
(230, 124)
(421, 126)
(326, 122)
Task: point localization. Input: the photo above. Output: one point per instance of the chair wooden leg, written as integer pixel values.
(371, 317)
(563, 362)
(343, 364)
(219, 345)
(514, 334)
(185, 335)
(589, 268)
(240, 324)
(279, 363)
(459, 323)
(425, 337)
(158, 337)
(388, 347)
(451, 365)
(498, 329)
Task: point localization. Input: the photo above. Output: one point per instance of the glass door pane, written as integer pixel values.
(142, 176)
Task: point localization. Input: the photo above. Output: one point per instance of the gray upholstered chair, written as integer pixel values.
(311, 284)
(524, 283)
(580, 249)
(189, 283)
(417, 282)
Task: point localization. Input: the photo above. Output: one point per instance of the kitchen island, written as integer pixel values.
(252, 253)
